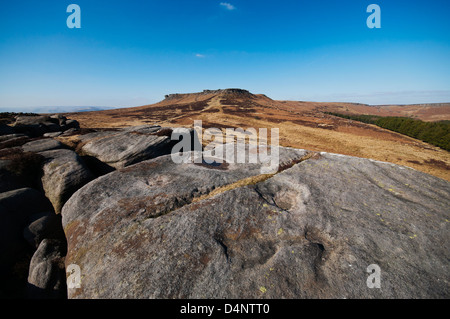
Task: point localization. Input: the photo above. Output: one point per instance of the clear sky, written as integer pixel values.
(130, 53)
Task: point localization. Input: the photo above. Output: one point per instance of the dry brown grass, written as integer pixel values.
(252, 180)
(22, 164)
(301, 125)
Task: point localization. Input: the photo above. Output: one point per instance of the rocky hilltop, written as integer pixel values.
(222, 92)
(138, 225)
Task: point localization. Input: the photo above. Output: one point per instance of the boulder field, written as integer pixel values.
(138, 225)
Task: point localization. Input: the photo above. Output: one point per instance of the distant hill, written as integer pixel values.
(56, 109)
(432, 112)
(304, 125)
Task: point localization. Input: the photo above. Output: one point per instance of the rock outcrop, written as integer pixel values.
(127, 146)
(47, 276)
(42, 145)
(32, 243)
(13, 140)
(163, 230)
(39, 125)
(16, 208)
(224, 92)
(64, 172)
(151, 228)
(45, 225)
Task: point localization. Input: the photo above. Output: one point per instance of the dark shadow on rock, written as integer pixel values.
(47, 275)
(34, 292)
(13, 280)
(97, 167)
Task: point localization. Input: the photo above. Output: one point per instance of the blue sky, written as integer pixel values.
(130, 53)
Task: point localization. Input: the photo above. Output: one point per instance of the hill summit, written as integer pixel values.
(225, 92)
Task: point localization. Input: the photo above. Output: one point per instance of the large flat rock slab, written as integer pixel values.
(42, 145)
(64, 172)
(127, 146)
(163, 230)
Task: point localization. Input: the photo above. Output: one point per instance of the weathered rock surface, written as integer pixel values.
(41, 226)
(63, 173)
(42, 145)
(46, 279)
(128, 146)
(15, 208)
(163, 230)
(53, 134)
(39, 125)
